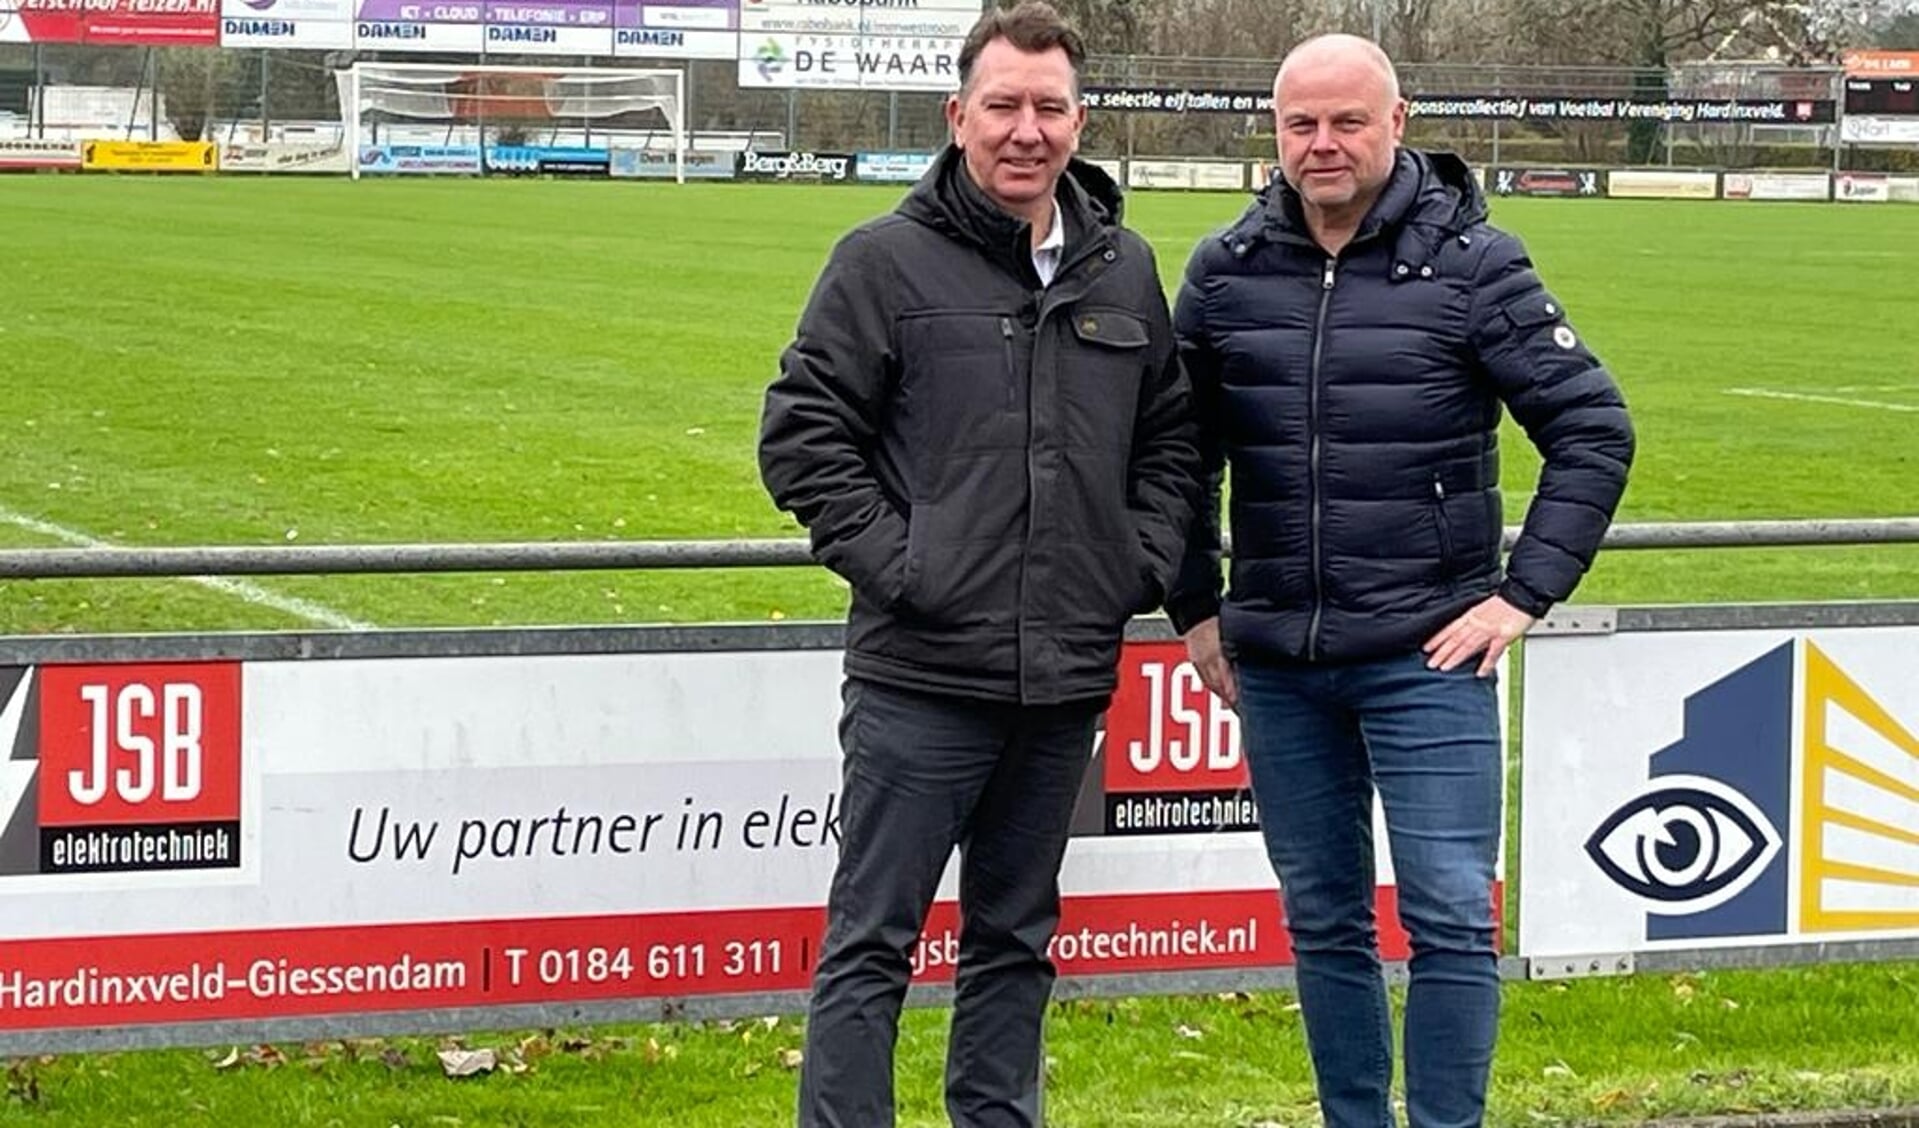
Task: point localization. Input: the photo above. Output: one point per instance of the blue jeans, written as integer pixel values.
(1320, 740)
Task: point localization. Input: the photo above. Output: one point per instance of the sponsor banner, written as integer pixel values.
(1871, 129)
(1655, 184)
(688, 17)
(1862, 187)
(1687, 111)
(871, 62)
(26, 154)
(267, 839)
(1110, 166)
(258, 31)
(925, 19)
(1177, 99)
(825, 167)
(1873, 64)
(1719, 788)
(401, 35)
(548, 39)
(284, 156)
(1574, 182)
(1776, 186)
(547, 160)
(419, 158)
(690, 30)
(891, 168)
(1484, 107)
(323, 11)
(1206, 175)
(323, 25)
(673, 43)
(1903, 189)
(652, 164)
(420, 25)
(140, 23)
(149, 156)
(549, 13)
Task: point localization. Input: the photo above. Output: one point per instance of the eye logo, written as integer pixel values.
(1688, 845)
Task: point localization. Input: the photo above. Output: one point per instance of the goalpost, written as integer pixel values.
(471, 111)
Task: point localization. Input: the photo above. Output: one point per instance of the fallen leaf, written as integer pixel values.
(1609, 1098)
(1559, 1069)
(467, 1063)
(267, 1056)
(791, 1058)
(1186, 1031)
(771, 1021)
(394, 1058)
(231, 1059)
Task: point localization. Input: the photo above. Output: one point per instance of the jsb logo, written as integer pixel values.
(121, 723)
(1165, 730)
(139, 744)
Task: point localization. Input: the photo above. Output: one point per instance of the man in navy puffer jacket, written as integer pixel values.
(1351, 341)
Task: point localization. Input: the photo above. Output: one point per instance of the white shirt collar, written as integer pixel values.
(1047, 254)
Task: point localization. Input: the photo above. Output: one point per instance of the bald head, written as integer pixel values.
(1339, 118)
(1348, 59)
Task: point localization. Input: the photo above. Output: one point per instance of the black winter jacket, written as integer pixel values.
(1002, 472)
(1357, 400)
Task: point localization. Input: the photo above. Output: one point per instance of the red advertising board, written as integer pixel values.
(139, 23)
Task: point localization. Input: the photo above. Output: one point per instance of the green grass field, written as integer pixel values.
(232, 361)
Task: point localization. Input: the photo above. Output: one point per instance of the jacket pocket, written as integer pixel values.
(1448, 558)
(1109, 327)
(1100, 374)
(911, 569)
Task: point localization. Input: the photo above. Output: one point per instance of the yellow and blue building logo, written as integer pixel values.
(1790, 804)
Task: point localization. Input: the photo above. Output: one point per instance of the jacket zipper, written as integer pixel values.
(1012, 371)
(1312, 423)
(1445, 532)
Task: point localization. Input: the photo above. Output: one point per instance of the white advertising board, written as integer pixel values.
(255, 840)
(1719, 789)
(1776, 186)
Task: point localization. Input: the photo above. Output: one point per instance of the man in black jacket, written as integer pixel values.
(1351, 340)
(983, 426)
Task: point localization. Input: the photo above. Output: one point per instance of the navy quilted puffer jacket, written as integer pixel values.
(1357, 400)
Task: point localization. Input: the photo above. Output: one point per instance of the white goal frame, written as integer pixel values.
(351, 106)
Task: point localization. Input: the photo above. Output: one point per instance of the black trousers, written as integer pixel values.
(924, 773)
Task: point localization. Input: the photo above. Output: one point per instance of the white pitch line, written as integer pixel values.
(1806, 397)
(240, 589)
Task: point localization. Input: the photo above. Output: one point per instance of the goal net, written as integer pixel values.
(454, 118)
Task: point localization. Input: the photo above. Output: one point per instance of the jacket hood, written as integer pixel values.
(947, 200)
(1430, 198)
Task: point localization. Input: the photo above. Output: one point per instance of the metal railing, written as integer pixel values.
(541, 556)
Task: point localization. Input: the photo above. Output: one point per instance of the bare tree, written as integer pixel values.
(191, 81)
